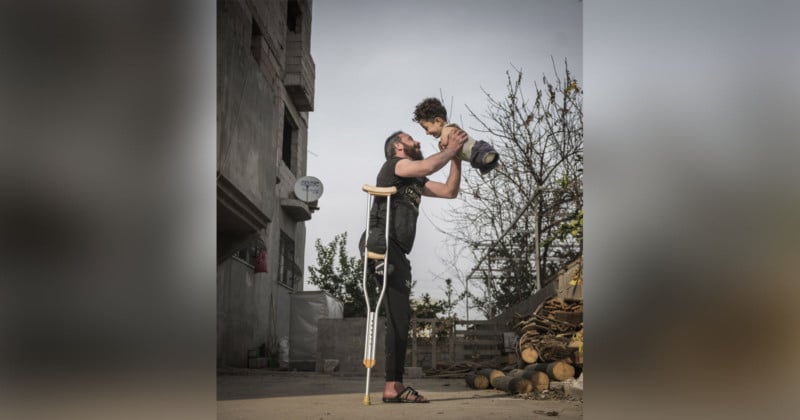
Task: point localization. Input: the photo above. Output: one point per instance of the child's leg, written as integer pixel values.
(484, 158)
(466, 150)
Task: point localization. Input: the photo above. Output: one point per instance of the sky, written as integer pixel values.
(375, 60)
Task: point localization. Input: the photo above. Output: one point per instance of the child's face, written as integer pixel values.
(433, 127)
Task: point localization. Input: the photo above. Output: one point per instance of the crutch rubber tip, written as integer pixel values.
(366, 400)
(369, 363)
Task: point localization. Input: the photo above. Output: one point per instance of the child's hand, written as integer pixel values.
(442, 145)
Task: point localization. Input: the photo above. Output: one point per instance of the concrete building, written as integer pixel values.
(265, 90)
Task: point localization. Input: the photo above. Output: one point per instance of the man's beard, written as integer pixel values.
(413, 152)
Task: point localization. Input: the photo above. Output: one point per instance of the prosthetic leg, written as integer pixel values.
(372, 315)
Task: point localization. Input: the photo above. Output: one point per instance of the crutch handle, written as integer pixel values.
(379, 191)
(375, 256)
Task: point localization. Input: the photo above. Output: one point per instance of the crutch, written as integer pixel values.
(372, 316)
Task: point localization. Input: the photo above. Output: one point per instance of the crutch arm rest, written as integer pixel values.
(375, 256)
(379, 191)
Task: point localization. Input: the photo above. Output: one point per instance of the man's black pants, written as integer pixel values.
(398, 312)
(398, 308)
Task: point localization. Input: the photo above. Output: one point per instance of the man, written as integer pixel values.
(406, 169)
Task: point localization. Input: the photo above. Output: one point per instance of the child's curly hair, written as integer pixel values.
(429, 109)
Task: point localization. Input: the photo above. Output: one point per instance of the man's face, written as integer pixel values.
(432, 127)
(411, 147)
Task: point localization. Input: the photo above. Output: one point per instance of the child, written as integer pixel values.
(432, 116)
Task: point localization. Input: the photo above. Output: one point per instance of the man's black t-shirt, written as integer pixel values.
(404, 212)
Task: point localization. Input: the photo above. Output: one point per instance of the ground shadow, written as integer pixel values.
(256, 384)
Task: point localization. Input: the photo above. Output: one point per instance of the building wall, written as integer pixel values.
(256, 93)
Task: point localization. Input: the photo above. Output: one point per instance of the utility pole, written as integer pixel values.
(467, 298)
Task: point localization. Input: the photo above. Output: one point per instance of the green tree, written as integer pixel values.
(427, 307)
(340, 275)
(451, 299)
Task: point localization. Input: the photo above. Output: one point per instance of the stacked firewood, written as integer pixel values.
(550, 348)
(552, 333)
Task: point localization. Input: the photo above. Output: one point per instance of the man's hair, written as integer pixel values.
(429, 109)
(388, 146)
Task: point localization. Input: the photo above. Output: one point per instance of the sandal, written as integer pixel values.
(403, 397)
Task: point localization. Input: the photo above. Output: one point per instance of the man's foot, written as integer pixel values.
(396, 393)
(489, 158)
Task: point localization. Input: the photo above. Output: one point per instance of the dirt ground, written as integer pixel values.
(263, 394)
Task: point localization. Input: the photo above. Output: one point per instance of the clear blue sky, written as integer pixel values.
(375, 60)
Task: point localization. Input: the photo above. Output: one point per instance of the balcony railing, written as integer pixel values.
(300, 74)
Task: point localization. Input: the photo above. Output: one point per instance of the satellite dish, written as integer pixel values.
(308, 189)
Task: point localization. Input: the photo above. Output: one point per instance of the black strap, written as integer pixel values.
(409, 391)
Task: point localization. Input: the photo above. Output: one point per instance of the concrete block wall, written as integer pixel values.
(343, 339)
(248, 118)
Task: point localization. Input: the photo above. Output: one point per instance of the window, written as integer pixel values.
(289, 139)
(293, 16)
(288, 268)
(249, 252)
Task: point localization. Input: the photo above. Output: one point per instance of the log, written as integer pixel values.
(552, 324)
(528, 337)
(574, 318)
(579, 358)
(491, 374)
(495, 379)
(529, 354)
(558, 371)
(513, 385)
(476, 381)
(577, 344)
(501, 382)
(539, 380)
(552, 348)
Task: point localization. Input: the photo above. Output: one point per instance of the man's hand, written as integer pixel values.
(408, 168)
(455, 140)
(450, 188)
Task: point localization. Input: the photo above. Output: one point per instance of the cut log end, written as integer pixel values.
(539, 380)
(560, 371)
(492, 374)
(557, 371)
(529, 355)
(477, 381)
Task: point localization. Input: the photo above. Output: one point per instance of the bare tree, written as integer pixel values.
(520, 219)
